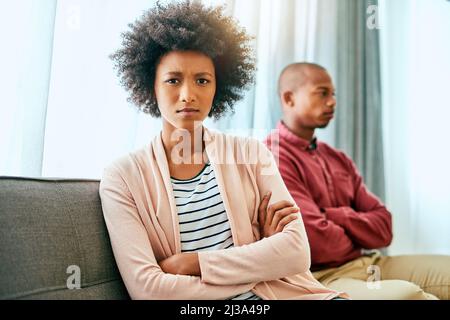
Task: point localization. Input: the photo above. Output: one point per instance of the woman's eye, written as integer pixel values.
(202, 81)
(172, 81)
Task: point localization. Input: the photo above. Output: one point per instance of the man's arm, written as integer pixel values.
(368, 222)
(329, 241)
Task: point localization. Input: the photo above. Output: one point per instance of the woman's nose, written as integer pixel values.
(187, 93)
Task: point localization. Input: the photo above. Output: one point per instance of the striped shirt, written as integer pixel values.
(202, 217)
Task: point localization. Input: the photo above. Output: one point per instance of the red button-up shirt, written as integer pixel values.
(341, 216)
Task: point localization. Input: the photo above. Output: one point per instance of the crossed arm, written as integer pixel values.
(219, 274)
(335, 233)
(272, 219)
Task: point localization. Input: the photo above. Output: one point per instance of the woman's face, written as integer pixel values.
(185, 85)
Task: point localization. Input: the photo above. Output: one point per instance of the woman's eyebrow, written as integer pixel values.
(173, 73)
(179, 74)
(204, 74)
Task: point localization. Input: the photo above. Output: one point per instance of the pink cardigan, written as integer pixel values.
(141, 217)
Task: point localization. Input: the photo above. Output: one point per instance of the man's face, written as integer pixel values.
(185, 85)
(315, 101)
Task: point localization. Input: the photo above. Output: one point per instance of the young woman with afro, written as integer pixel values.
(198, 214)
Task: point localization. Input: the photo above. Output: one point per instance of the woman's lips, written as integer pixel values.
(188, 111)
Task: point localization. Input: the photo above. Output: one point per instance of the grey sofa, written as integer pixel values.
(53, 240)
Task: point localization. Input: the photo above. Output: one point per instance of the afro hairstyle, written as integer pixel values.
(182, 26)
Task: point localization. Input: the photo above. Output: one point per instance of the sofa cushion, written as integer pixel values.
(52, 230)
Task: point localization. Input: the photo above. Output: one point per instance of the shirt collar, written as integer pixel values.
(293, 138)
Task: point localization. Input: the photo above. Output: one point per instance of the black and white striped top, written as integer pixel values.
(202, 217)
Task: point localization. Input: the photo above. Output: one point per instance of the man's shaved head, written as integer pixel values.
(307, 95)
(296, 75)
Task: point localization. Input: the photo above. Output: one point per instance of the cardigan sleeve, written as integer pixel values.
(133, 252)
(283, 254)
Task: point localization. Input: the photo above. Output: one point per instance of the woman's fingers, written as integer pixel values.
(281, 214)
(285, 221)
(263, 208)
(275, 207)
(273, 218)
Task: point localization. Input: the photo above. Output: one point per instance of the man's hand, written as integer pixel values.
(273, 219)
(182, 263)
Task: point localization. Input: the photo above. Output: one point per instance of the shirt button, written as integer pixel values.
(324, 223)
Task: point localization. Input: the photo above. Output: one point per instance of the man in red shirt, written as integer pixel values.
(343, 219)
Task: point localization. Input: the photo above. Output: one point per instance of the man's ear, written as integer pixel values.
(288, 98)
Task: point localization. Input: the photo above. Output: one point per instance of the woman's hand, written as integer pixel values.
(181, 263)
(274, 218)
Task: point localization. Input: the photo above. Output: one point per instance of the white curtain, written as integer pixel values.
(62, 112)
(416, 78)
(65, 114)
(89, 121)
(26, 33)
